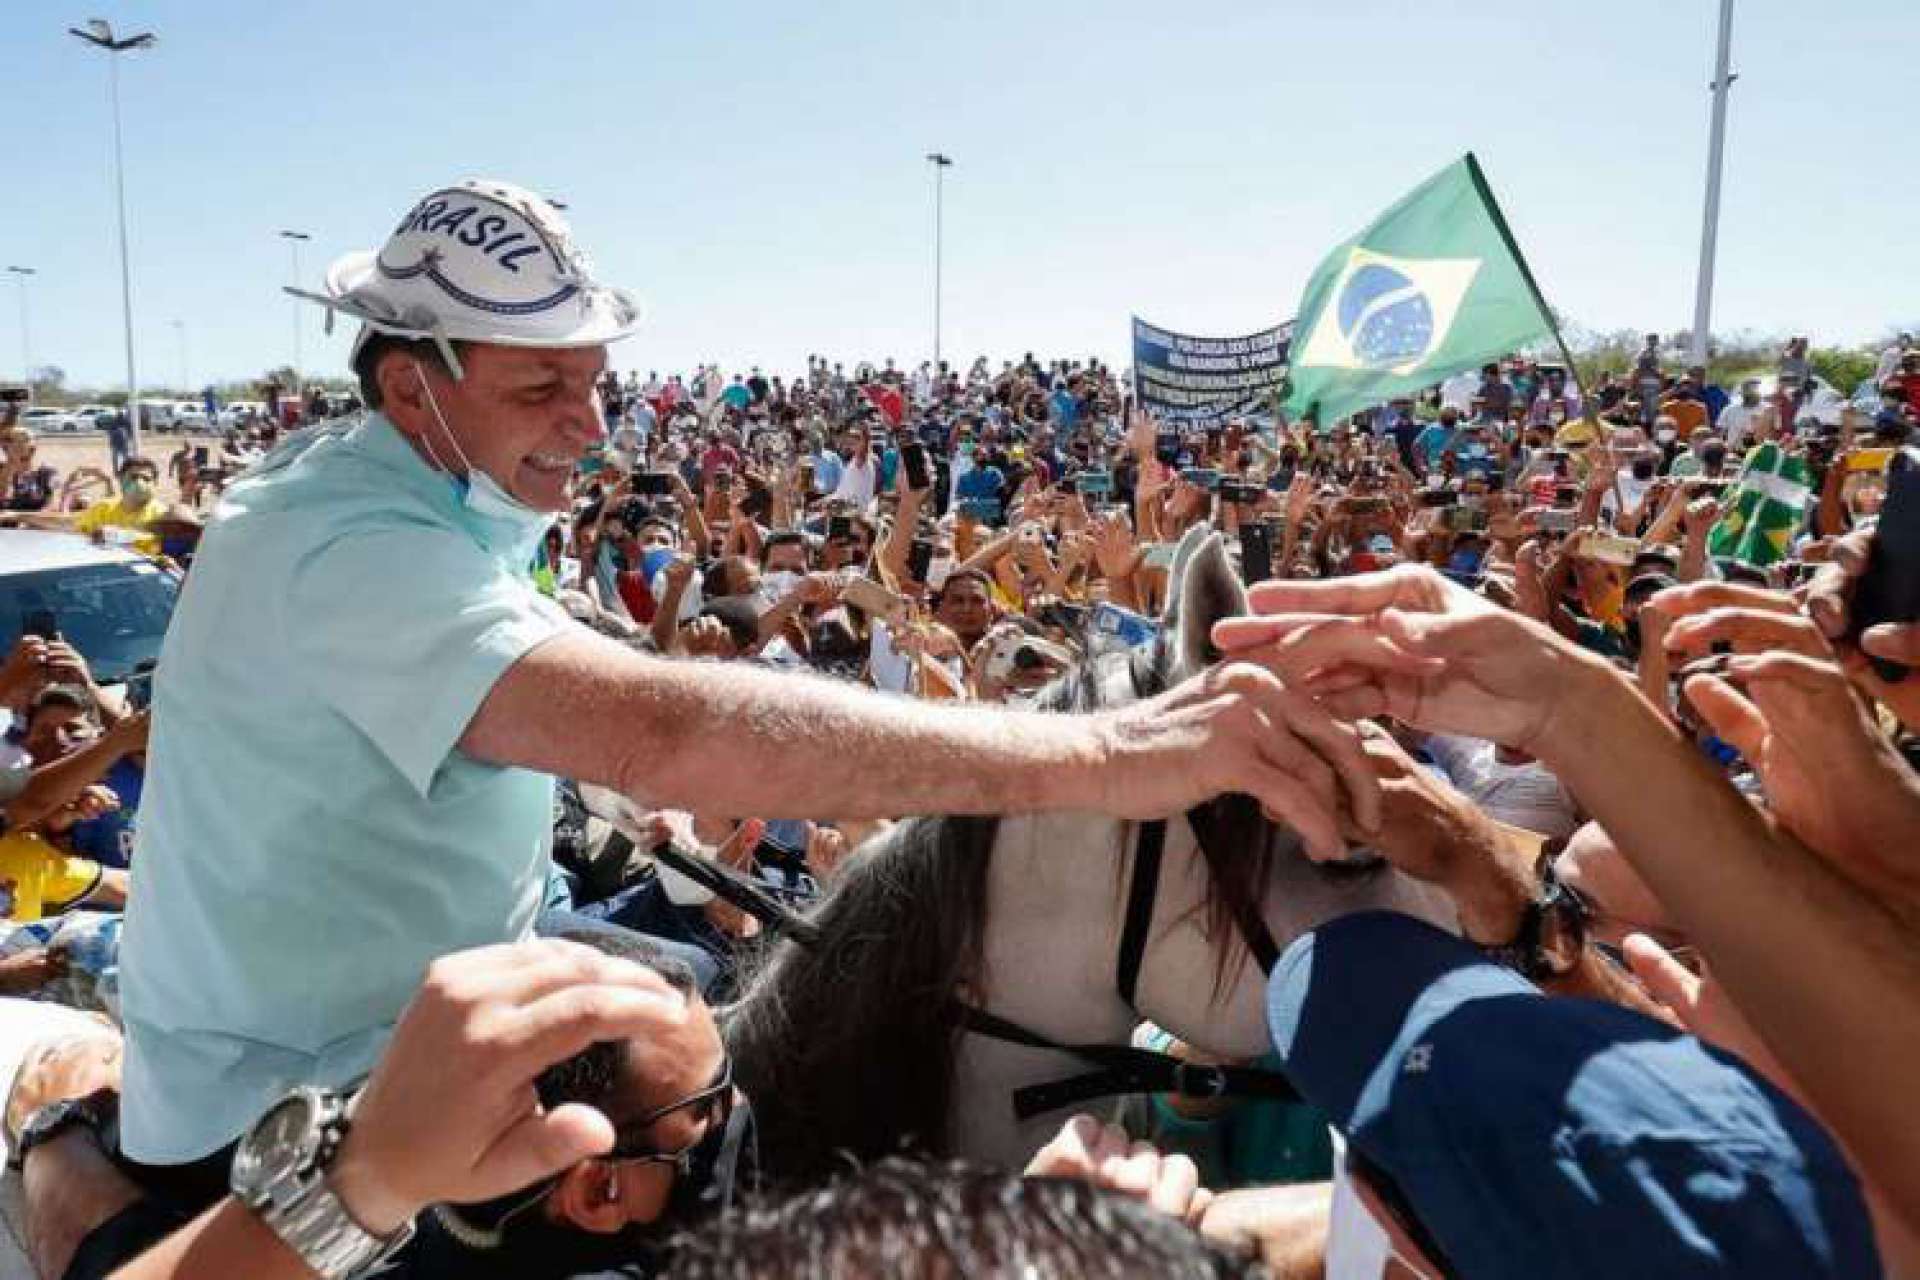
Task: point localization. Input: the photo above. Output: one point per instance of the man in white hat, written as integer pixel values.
(362, 703)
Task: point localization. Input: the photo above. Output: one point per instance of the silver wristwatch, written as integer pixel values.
(280, 1172)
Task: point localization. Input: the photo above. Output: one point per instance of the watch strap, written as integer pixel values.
(317, 1226)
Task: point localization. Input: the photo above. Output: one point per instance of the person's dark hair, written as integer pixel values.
(928, 1221)
(137, 460)
(782, 538)
(69, 696)
(591, 1075)
(738, 616)
(366, 362)
(966, 575)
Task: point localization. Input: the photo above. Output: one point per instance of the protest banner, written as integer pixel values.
(1206, 381)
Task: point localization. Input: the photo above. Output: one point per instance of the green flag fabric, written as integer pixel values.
(1764, 510)
(1434, 286)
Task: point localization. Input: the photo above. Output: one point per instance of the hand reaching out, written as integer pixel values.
(1103, 1155)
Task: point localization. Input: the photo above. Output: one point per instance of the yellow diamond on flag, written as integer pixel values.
(1388, 313)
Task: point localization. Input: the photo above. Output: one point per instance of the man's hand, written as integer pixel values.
(23, 670)
(1831, 777)
(1237, 728)
(1433, 833)
(450, 1114)
(1749, 619)
(1829, 598)
(29, 970)
(1103, 1156)
(1476, 669)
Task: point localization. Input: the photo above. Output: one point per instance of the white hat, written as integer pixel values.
(482, 261)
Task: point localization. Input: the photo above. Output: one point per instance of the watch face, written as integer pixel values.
(279, 1144)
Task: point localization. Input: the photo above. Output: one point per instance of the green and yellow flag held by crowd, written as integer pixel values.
(1433, 286)
(1766, 511)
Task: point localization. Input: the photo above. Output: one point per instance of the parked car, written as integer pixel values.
(239, 413)
(190, 417)
(1823, 405)
(93, 417)
(157, 415)
(110, 604)
(45, 418)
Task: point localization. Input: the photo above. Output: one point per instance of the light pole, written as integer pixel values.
(293, 239)
(1716, 152)
(941, 163)
(20, 275)
(99, 34)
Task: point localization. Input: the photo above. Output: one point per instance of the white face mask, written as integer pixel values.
(479, 492)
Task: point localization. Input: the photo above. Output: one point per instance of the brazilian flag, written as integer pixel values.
(1766, 509)
(1433, 286)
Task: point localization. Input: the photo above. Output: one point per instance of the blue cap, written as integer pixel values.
(1555, 1137)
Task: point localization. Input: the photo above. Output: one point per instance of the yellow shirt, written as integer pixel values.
(116, 513)
(1576, 434)
(38, 880)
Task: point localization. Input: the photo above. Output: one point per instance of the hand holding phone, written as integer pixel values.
(1889, 589)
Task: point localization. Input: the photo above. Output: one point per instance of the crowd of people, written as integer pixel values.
(780, 613)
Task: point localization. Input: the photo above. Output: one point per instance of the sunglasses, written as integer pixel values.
(713, 1104)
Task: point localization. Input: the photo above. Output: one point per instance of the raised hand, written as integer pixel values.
(450, 1114)
(1832, 779)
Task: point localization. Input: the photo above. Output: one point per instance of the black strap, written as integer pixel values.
(1246, 913)
(742, 892)
(1142, 889)
(1121, 1069)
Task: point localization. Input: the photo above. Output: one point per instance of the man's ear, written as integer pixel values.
(402, 397)
(582, 1198)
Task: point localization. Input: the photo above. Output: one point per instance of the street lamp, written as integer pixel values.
(20, 275)
(941, 163)
(186, 382)
(99, 34)
(1716, 153)
(293, 239)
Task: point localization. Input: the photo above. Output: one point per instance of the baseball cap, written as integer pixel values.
(479, 261)
(1554, 1137)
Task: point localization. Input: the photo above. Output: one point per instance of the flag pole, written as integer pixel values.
(1526, 273)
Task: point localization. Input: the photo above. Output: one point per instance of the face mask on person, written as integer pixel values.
(479, 492)
(137, 491)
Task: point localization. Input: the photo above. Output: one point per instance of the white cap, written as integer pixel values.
(482, 261)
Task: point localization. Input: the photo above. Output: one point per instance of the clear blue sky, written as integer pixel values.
(755, 172)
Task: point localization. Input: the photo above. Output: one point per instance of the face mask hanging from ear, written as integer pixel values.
(481, 494)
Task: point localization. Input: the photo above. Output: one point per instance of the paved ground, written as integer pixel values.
(65, 452)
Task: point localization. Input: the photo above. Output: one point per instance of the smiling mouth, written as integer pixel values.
(551, 462)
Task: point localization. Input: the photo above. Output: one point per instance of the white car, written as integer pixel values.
(239, 413)
(92, 417)
(190, 417)
(1824, 404)
(45, 418)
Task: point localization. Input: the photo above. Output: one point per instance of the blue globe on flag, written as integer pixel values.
(1386, 318)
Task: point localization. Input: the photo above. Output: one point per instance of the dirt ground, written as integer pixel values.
(65, 452)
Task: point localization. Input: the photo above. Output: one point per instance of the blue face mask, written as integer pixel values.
(505, 525)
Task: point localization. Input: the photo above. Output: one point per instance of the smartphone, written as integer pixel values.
(200, 457)
(1240, 493)
(1609, 549)
(1556, 520)
(1439, 498)
(1166, 448)
(838, 527)
(1094, 484)
(1256, 552)
(1202, 477)
(913, 457)
(1566, 495)
(868, 595)
(41, 623)
(919, 559)
(1889, 590)
(140, 687)
(653, 484)
(984, 510)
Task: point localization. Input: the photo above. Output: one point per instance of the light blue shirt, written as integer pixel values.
(310, 838)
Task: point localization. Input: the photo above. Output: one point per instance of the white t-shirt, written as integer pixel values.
(1520, 795)
(857, 482)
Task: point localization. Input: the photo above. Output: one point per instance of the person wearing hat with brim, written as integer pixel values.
(363, 701)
